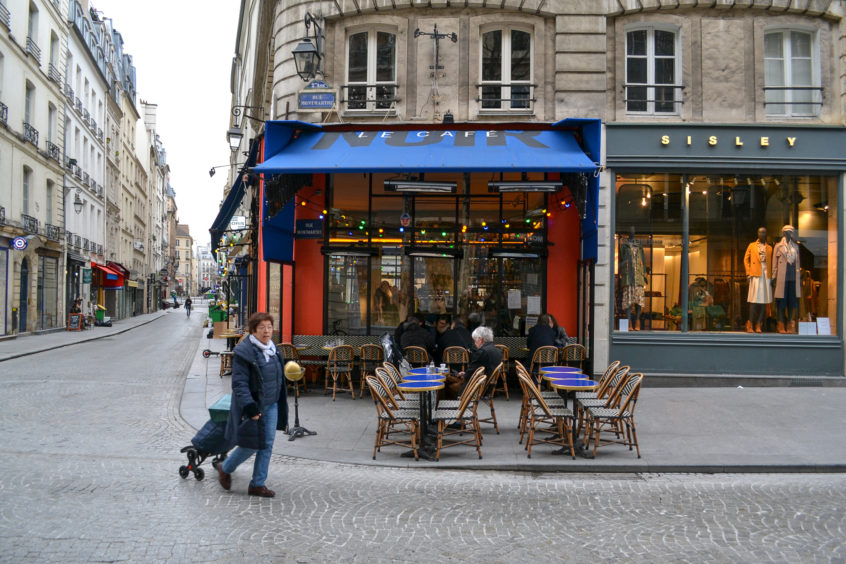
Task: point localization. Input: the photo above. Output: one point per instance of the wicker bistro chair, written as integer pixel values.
(226, 358)
(290, 353)
(610, 397)
(453, 404)
(391, 420)
(465, 416)
(416, 356)
(552, 398)
(339, 365)
(394, 393)
(487, 396)
(544, 356)
(396, 376)
(572, 355)
(613, 418)
(456, 358)
(502, 385)
(542, 413)
(371, 356)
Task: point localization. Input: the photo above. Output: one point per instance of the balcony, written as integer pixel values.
(53, 232)
(77, 171)
(69, 237)
(33, 49)
(2, 215)
(30, 134)
(69, 93)
(99, 249)
(77, 241)
(5, 17)
(54, 74)
(85, 116)
(78, 105)
(4, 113)
(30, 224)
(86, 181)
(370, 97)
(506, 97)
(99, 134)
(54, 151)
(86, 245)
(92, 123)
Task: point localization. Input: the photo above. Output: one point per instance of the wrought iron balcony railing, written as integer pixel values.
(77, 241)
(69, 237)
(54, 74)
(30, 224)
(77, 171)
(85, 179)
(53, 232)
(85, 116)
(33, 49)
(69, 93)
(54, 151)
(30, 134)
(2, 215)
(370, 97)
(99, 134)
(99, 249)
(5, 17)
(4, 113)
(508, 97)
(86, 245)
(78, 105)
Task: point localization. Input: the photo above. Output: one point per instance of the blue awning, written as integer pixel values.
(231, 203)
(300, 147)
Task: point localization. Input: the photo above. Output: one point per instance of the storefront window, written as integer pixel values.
(48, 292)
(347, 295)
(705, 274)
(274, 297)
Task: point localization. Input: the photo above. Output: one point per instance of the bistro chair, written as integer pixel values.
(506, 368)
(226, 358)
(453, 404)
(542, 413)
(391, 421)
(371, 357)
(487, 396)
(339, 366)
(465, 417)
(456, 358)
(394, 393)
(607, 395)
(416, 356)
(573, 355)
(395, 375)
(290, 352)
(544, 356)
(551, 397)
(613, 418)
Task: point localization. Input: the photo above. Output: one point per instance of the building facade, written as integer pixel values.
(185, 271)
(715, 122)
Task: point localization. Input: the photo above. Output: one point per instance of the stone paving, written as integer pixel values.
(91, 435)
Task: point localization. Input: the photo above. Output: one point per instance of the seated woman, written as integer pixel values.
(542, 334)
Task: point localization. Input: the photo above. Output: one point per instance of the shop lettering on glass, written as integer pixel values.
(490, 138)
(738, 141)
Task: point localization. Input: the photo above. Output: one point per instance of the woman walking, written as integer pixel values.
(259, 404)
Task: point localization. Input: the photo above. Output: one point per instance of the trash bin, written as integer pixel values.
(217, 314)
(100, 314)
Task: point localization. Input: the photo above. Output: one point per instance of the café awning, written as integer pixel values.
(232, 201)
(111, 278)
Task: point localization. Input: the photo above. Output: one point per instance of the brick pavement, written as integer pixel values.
(90, 450)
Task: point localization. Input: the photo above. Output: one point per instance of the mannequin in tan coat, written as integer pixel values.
(759, 271)
(788, 288)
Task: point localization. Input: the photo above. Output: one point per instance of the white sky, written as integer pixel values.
(182, 51)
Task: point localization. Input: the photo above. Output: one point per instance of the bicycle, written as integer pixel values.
(336, 328)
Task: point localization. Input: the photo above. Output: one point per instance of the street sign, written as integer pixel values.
(309, 229)
(19, 243)
(238, 222)
(317, 96)
(86, 276)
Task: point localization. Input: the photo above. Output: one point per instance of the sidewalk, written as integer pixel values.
(700, 430)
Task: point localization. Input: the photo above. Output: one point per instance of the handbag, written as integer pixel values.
(251, 433)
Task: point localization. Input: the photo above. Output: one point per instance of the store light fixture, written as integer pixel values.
(420, 186)
(433, 252)
(526, 186)
(512, 253)
(348, 252)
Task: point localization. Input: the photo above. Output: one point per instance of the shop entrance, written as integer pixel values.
(24, 296)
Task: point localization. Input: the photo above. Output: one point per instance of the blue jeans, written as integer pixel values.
(269, 415)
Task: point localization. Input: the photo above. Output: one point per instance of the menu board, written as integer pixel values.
(74, 322)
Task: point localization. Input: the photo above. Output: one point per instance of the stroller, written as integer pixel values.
(209, 440)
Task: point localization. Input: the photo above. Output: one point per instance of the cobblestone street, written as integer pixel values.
(91, 438)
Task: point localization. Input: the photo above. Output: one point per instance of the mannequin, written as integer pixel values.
(788, 279)
(632, 278)
(759, 271)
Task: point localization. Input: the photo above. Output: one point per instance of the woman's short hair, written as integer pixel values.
(256, 318)
(544, 319)
(484, 333)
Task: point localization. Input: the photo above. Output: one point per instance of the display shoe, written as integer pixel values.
(749, 328)
(260, 491)
(224, 478)
(780, 327)
(758, 328)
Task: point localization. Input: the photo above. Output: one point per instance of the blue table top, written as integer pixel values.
(560, 375)
(424, 369)
(561, 369)
(424, 378)
(573, 384)
(426, 386)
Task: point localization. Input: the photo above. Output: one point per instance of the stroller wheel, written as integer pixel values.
(199, 474)
(206, 353)
(183, 471)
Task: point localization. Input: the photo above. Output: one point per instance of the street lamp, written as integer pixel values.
(235, 133)
(307, 55)
(234, 136)
(78, 204)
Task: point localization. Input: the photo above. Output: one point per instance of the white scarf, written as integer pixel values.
(269, 349)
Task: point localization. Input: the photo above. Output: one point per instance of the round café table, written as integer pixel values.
(558, 372)
(571, 386)
(423, 387)
(425, 371)
(424, 378)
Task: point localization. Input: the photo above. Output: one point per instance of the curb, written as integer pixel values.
(89, 339)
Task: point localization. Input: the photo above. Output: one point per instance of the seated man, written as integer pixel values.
(414, 335)
(486, 354)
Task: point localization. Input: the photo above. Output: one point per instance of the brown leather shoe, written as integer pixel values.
(260, 491)
(224, 478)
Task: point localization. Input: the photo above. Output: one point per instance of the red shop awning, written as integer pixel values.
(111, 278)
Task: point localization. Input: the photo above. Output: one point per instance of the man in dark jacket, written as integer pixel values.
(541, 335)
(414, 335)
(486, 354)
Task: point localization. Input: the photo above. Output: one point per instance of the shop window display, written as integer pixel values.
(756, 254)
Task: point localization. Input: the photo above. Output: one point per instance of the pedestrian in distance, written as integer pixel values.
(259, 405)
(188, 304)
